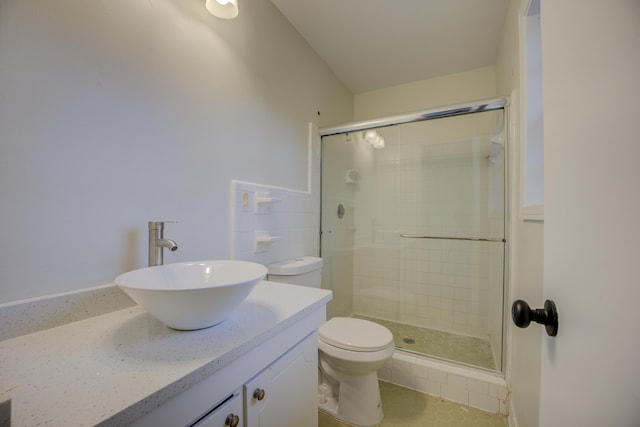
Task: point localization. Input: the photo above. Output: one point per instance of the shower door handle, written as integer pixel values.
(522, 315)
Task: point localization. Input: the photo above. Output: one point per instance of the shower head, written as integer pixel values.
(374, 138)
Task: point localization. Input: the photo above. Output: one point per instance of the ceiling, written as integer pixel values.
(371, 44)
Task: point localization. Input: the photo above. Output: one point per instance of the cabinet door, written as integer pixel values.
(285, 394)
(226, 414)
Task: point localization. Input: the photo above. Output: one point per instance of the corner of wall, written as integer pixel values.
(479, 83)
(270, 223)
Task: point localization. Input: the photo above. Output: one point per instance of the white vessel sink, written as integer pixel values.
(192, 295)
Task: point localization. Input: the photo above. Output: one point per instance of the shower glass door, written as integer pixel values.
(413, 233)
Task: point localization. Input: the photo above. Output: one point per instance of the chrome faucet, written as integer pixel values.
(157, 242)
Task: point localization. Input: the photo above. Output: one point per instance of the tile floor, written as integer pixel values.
(408, 408)
(445, 345)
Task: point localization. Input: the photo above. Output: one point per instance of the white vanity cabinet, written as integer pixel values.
(286, 393)
(273, 385)
(282, 395)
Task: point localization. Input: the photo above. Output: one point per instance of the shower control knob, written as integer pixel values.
(258, 394)
(523, 315)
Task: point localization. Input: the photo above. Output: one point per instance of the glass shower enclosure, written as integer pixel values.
(413, 229)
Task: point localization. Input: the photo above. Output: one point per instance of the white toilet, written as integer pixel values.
(350, 352)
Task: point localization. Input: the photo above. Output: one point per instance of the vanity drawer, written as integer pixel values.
(227, 413)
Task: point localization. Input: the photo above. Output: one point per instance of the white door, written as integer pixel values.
(590, 372)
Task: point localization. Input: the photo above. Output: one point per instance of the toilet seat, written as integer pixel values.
(355, 335)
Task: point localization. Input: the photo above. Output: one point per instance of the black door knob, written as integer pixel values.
(523, 315)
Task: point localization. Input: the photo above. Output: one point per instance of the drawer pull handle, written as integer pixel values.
(258, 394)
(232, 420)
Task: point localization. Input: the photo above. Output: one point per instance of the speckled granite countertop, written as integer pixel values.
(112, 368)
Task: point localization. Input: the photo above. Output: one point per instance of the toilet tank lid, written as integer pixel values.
(292, 267)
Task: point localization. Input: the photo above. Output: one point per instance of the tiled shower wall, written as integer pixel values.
(432, 178)
(440, 284)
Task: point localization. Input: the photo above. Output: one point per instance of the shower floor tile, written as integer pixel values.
(444, 345)
(408, 408)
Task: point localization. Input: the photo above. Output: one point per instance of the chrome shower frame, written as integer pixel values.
(503, 103)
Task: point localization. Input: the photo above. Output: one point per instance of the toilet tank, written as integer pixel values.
(304, 271)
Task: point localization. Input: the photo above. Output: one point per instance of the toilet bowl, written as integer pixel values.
(350, 352)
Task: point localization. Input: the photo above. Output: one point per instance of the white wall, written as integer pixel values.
(526, 264)
(116, 113)
(423, 94)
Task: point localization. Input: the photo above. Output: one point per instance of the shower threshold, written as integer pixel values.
(449, 346)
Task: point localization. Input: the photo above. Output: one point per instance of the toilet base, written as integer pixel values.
(355, 400)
